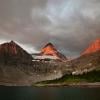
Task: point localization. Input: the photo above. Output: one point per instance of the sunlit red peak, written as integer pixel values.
(49, 49)
(95, 46)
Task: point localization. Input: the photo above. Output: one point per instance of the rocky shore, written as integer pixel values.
(83, 85)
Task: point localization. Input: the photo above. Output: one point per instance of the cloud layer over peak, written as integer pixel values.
(70, 24)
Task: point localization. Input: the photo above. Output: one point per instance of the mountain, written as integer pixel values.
(87, 63)
(90, 58)
(49, 49)
(93, 47)
(12, 52)
(17, 67)
(77, 72)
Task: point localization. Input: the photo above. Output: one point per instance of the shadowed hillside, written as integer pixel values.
(13, 53)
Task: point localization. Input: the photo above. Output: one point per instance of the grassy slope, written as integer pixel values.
(91, 77)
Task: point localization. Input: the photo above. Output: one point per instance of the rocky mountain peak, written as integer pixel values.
(93, 47)
(49, 49)
(49, 44)
(11, 51)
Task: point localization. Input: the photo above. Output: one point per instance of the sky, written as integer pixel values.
(71, 25)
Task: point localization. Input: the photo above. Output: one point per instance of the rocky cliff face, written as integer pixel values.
(12, 52)
(95, 46)
(50, 49)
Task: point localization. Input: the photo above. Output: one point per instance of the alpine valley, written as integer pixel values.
(50, 66)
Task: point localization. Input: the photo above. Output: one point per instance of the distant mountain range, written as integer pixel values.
(12, 50)
(18, 67)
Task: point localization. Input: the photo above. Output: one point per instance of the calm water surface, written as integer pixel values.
(50, 93)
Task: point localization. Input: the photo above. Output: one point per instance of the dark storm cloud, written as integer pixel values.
(70, 24)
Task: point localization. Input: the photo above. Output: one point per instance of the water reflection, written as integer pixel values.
(50, 93)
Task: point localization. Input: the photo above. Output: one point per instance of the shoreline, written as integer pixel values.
(90, 85)
(81, 84)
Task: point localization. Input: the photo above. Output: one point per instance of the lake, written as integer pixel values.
(49, 93)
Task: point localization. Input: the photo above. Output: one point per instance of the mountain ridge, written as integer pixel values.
(93, 47)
